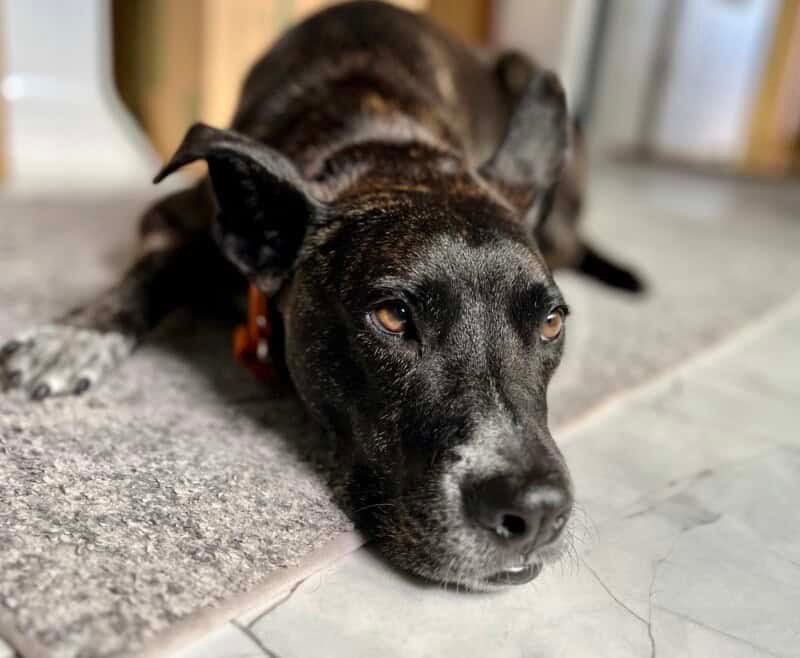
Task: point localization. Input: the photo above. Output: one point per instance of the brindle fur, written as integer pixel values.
(373, 157)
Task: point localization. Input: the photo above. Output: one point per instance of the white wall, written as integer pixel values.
(624, 76)
(714, 78)
(555, 33)
(710, 82)
(534, 27)
(67, 132)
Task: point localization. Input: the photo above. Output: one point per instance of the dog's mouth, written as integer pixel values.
(526, 568)
(519, 574)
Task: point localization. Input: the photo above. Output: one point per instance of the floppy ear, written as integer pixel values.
(528, 163)
(264, 205)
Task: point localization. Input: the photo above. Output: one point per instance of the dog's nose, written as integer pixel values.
(529, 516)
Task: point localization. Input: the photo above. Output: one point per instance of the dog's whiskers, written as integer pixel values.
(373, 506)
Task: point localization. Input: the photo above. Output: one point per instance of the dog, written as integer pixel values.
(398, 200)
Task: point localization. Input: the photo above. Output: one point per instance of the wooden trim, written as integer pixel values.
(769, 149)
(179, 61)
(467, 19)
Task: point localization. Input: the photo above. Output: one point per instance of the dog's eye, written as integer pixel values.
(553, 324)
(392, 317)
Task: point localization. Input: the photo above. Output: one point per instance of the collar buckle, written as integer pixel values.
(251, 341)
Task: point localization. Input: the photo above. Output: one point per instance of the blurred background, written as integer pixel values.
(95, 91)
(691, 109)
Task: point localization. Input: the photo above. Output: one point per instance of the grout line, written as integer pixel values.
(197, 624)
(277, 604)
(725, 346)
(247, 631)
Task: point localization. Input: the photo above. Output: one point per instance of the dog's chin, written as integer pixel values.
(434, 541)
(482, 578)
(515, 574)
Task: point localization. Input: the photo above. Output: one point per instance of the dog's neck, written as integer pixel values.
(352, 101)
(398, 130)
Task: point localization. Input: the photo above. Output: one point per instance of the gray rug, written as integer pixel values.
(182, 482)
(178, 483)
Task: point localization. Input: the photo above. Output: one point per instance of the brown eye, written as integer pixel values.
(392, 317)
(551, 329)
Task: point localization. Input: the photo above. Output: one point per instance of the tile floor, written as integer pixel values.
(691, 545)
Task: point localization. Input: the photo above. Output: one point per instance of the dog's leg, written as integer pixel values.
(74, 352)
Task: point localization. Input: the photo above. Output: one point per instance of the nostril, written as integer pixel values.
(512, 526)
(533, 514)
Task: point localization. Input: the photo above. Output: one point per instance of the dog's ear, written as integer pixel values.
(264, 205)
(528, 163)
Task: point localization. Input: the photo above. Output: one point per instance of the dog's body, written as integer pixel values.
(383, 185)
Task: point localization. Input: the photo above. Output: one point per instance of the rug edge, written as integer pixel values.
(567, 430)
(24, 646)
(205, 620)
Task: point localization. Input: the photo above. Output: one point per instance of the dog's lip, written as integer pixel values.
(516, 575)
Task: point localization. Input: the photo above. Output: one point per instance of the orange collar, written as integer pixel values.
(251, 341)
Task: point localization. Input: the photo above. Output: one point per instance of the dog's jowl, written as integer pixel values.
(385, 188)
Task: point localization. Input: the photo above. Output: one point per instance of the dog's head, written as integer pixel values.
(422, 327)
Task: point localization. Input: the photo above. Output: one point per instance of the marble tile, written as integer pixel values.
(362, 608)
(754, 370)
(722, 406)
(689, 545)
(718, 554)
(679, 637)
(228, 641)
(250, 617)
(720, 575)
(640, 454)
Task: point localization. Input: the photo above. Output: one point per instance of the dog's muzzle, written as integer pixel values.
(519, 519)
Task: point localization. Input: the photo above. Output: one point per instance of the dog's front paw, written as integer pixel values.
(57, 359)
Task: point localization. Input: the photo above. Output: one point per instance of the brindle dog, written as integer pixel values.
(384, 186)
